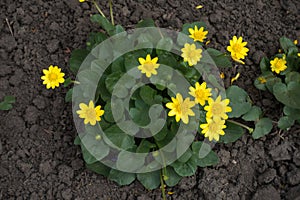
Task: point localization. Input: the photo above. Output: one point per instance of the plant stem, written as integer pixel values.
(241, 125)
(162, 185)
(98, 8)
(111, 12)
(76, 82)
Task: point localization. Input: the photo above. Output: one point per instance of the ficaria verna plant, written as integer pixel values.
(281, 76)
(149, 104)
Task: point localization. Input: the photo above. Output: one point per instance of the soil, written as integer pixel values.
(37, 157)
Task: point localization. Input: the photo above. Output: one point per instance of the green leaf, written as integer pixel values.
(150, 180)
(253, 114)
(271, 81)
(77, 58)
(145, 146)
(186, 156)
(108, 116)
(205, 157)
(127, 162)
(139, 114)
(220, 59)
(77, 140)
(239, 101)
(118, 64)
(161, 134)
(67, 82)
(87, 156)
(288, 94)
(148, 94)
(292, 77)
(99, 168)
(122, 178)
(131, 60)
(145, 23)
(164, 44)
(232, 133)
(6, 104)
(286, 44)
(285, 122)
(185, 169)
(9, 99)
(118, 107)
(116, 136)
(93, 149)
(104, 23)
(68, 97)
(291, 112)
(171, 178)
(119, 29)
(112, 79)
(262, 128)
(259, 85)
(264, 64)
(95, 39)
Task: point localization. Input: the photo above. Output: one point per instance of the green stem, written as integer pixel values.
(111, 12)
(241, 125)
(163, 191)
(76, 82)
(98, 8)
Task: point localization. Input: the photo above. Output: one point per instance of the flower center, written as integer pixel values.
(217, 109)
(199, 35)
(178, 108)
(52, 76)
(192, 54)
(237, 48)
(278, 64)
(199, 94)
(91, 113)
(148, 66)
(214, 127)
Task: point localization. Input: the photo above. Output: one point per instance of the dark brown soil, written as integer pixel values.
(37, 157)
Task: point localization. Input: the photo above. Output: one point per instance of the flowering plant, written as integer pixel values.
(149, 104)
(280, 76)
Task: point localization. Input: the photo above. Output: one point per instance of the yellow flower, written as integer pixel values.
(200, 92)
(207, 42)
(190, 54)
(181, 108)
(148, 66)
(213, 129)
(198, 35)
(90, 113)
(235, 78)
(52, 77)
(262, 80)
(278, 65)
(237, 49)
(217, 109)
(298, 54)
(199, 7)
(222, 75)
(295, 42)
(81, 1)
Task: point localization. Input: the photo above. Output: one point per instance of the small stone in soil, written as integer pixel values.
(53, 46)
(294, 177)
(267, 177)
(268, 192)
